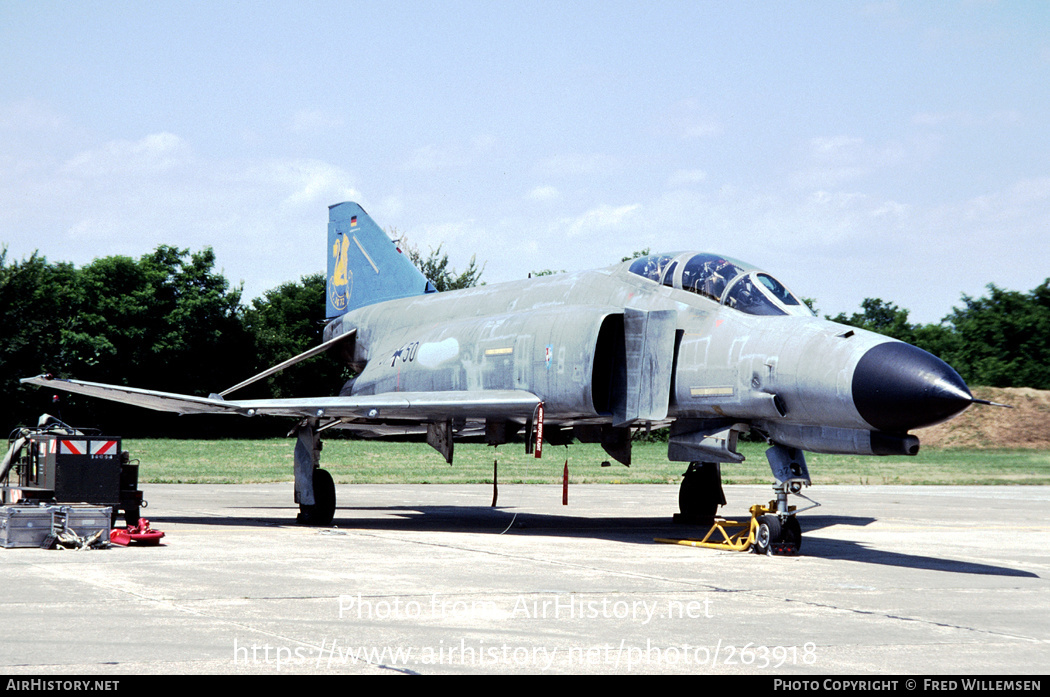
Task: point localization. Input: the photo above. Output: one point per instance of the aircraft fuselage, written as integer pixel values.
(614, 348)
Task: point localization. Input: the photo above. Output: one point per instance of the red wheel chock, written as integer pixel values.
(142, 534)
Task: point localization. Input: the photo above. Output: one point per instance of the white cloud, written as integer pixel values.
(578, 164)
(703, 129)
(835, 147)
(155, 153)
(834, 161)
(427, 159)
(1026, 201)
(999, 117)
(315, 121)
(686, 178)
(484, 143)
(544, 193)
(432, 158)
(890, 209)
(460, 239)
(29, 115)
(600, 218)
(689, 119)
(310, 182)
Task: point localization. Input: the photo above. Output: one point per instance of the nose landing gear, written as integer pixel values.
(772, 529)
(778, 530)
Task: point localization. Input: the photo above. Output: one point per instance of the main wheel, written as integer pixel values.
(321, 513)
(700, 493)
(768, 532)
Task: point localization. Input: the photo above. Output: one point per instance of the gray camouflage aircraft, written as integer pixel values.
(707, 345)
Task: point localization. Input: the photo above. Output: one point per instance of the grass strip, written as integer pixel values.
(383, 462)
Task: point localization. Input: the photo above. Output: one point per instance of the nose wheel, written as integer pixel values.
(777, 536)
(766, 534)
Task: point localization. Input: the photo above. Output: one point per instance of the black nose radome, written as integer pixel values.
(898, 387)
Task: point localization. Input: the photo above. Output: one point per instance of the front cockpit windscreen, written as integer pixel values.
(758, 293)
(723, 280)
(708, 275)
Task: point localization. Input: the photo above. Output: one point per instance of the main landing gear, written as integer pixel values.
(314, 488)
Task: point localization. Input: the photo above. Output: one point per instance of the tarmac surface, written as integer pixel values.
(419, 579)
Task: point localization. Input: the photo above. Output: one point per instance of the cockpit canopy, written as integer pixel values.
(723, 280)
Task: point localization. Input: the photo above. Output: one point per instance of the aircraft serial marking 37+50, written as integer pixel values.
(709, 346)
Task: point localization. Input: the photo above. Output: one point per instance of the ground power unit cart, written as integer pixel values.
(56, 463)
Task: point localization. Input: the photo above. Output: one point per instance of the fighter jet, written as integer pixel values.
(706, 345)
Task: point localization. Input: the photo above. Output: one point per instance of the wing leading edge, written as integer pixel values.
(419, 407)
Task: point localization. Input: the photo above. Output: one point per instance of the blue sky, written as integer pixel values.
(853, 149)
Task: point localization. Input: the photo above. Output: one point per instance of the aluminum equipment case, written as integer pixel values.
(29, 525)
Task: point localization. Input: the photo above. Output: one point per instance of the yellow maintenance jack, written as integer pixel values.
(764, 533)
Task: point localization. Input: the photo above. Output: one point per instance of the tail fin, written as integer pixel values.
(364, 265)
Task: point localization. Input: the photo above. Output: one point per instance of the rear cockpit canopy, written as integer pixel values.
(723, 280)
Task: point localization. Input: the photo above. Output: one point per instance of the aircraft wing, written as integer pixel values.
(400, 406)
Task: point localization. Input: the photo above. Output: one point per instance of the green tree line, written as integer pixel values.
(166, 321)
(169, 321)
(1001, 339)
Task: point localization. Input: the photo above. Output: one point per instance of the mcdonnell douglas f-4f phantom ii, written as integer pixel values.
(709, 346)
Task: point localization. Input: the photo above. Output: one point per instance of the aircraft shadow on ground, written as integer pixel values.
(631, 530)
(856, 551)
